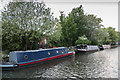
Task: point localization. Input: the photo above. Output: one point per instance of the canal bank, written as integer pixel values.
(101, 64)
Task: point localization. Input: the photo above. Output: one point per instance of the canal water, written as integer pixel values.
(100, 64)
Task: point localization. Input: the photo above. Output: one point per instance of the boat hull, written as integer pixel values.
(33, 63)
(77, 51)
(46, 59)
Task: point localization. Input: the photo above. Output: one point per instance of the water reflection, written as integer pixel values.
(34, 71)
(100, 64)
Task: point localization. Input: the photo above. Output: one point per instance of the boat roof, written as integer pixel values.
(81, 45)
(86, 45)
(40, 49)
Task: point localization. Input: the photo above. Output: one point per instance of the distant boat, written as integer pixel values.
(102, 47)
(86, 48)
(20, 59)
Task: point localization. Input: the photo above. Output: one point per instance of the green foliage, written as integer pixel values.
(113, 35)
(73, 26)
(93, 23)
(82, 40)
(54, 38)
(69, 31)
(100, 36)
(77, 24)
(24, 24)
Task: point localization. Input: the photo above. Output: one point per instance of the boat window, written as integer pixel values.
(78, 47)
(26, 56)
(48, 53)
(57, 51)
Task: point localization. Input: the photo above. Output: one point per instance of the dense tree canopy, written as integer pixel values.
(100, 36)
(93, 24)
(77, 24)
(25, 23)
(68, 31)
(113, 35)
(73, 26)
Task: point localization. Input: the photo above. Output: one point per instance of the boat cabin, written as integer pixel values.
(87, 48)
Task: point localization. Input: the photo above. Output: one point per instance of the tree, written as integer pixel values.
(68, 35)
(82, 40)
(100, 36)
(80, 20)
(24, 24)
(73, 26)
(93, 25)
(113, 35)
(54, 37)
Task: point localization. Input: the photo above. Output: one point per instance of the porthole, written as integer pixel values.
(65, 50)
(57, 51)
(26, 56)
(48, 53)
(62, 51)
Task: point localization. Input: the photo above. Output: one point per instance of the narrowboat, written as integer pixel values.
(102, 47)
(86, 48)
(20, 59)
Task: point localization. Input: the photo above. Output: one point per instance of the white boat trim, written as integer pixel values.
(7, 65)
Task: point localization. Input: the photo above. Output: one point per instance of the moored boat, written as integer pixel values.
(20, 59)
(102, 47)
(86, 48)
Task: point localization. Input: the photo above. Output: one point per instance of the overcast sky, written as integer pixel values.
(107, 11)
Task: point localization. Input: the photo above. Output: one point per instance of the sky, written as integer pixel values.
(107, 11)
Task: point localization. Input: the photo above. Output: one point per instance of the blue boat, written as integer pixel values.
(20, 59)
